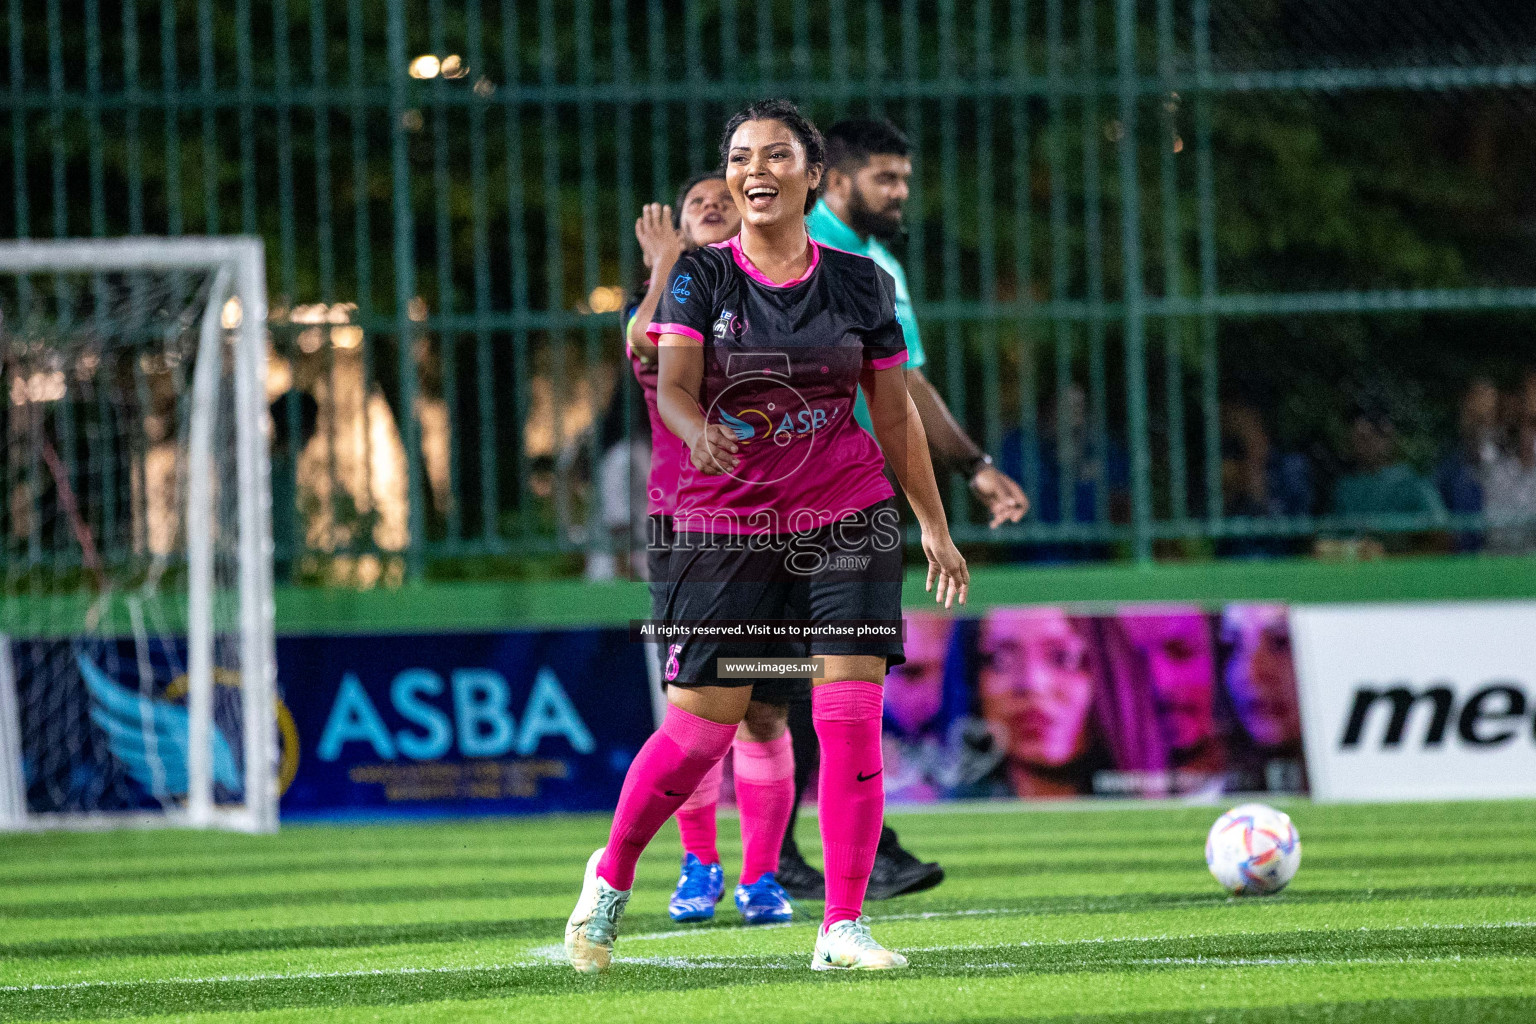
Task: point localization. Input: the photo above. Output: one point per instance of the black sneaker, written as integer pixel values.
(898, 873)
(798, 878)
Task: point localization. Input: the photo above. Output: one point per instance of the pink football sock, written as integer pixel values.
(696, 818)
(667, 770)
(765, 793)
(852, 795)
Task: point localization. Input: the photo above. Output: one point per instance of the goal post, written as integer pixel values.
(137, 657)
(13, 796)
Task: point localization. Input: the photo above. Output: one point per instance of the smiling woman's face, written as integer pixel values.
(709, 215)
(768, 174)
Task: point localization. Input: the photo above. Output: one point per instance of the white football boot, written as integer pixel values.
(848, 946)
(595, 921)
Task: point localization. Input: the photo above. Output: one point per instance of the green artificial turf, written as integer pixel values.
(1421, 913)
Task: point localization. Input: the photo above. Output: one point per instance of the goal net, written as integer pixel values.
(137, 676)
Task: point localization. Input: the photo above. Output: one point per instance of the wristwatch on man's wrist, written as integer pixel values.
(979, 463)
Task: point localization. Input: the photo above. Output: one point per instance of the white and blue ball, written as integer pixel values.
(1253, 850)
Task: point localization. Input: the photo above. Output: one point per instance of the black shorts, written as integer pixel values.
(848, 571)
(658, 543)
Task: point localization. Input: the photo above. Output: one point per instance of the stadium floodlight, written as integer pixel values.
(137, 658)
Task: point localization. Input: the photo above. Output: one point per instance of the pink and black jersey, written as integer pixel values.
(668, 454)
(781, 371)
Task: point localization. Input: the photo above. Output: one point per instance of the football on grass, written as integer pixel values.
(1253, 850)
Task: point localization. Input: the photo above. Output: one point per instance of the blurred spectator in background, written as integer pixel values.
(1527, 392)
(1167, 653)
(1260, 679)
(1096, 477)
(1509, 483)
(1035, 684)
(1459, 476)
(622, 472)
(1380, 483)
(284, 451)
(1244, 461)
(1258, 482)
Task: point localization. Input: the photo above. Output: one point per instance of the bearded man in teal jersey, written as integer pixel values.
(863, 194)
(860, 209)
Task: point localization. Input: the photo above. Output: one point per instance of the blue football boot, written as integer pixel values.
(699, 888)
(764, 902)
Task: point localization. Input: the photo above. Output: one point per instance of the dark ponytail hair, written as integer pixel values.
(787, 114)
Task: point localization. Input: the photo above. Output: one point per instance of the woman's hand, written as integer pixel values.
(946, 566)
(660, 243)
(713, 450)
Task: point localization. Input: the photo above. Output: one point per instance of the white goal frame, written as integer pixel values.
(238, 265)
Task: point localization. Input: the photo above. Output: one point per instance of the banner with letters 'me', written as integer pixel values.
(472, 723)
(1418, 702)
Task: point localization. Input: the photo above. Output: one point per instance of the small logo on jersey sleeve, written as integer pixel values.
(729, 323)
(680, 287)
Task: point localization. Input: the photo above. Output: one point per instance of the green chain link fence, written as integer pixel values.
(1123, 214)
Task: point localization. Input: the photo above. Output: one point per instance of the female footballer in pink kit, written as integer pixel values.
(783, 513)
(765, 763)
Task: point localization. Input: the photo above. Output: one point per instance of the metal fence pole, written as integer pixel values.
(287, 275)
(405, 286)
(245, 74)
(626, 157)
(1061, 272)
(480, 239)
(20, 125)
(94, 138)
(320, 112)
(1205, 187)
(598, 538)
(1134, 317)
(1169, 145)
(986, 236)
(874, 57)
(56, 118)
(837, 51)
(362, 235)
(1023, 250)
(447, 301)
(954, 332)
(554, 255)
(1093, 252)
(912, 118)
(517, 245)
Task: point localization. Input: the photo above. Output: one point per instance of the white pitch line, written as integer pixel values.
(928, 915)
(938, 915)
(552, 953)
(296, 976)
(675, 933)
(1210, 961)
(717, 963)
